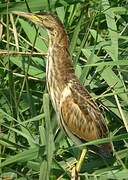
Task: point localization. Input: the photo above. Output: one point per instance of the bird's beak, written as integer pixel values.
(30, 16)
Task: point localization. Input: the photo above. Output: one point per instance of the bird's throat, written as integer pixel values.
(59, 71)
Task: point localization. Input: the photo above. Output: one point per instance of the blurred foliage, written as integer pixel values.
(32, 145)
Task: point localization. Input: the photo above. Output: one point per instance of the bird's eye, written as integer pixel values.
(55, 32)
(49, 28)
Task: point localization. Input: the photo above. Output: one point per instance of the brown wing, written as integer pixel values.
(81, 115)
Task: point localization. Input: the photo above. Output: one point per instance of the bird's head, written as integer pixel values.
(45, 20)
(50, 22)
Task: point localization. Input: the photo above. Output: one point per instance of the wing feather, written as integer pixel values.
(81, 115)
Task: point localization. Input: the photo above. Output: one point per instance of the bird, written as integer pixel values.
(77, 112)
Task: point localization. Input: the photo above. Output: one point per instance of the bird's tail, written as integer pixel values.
(104, 150)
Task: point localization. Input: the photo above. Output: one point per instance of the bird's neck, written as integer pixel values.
(59, 60)
(59, 68)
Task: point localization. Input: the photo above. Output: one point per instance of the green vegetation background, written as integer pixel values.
(32, 145)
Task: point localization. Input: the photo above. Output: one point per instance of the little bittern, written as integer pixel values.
(77, 112)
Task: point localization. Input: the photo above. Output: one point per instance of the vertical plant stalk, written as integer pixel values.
(121, 112)
(12, 91)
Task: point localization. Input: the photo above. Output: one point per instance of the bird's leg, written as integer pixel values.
(80, 161)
